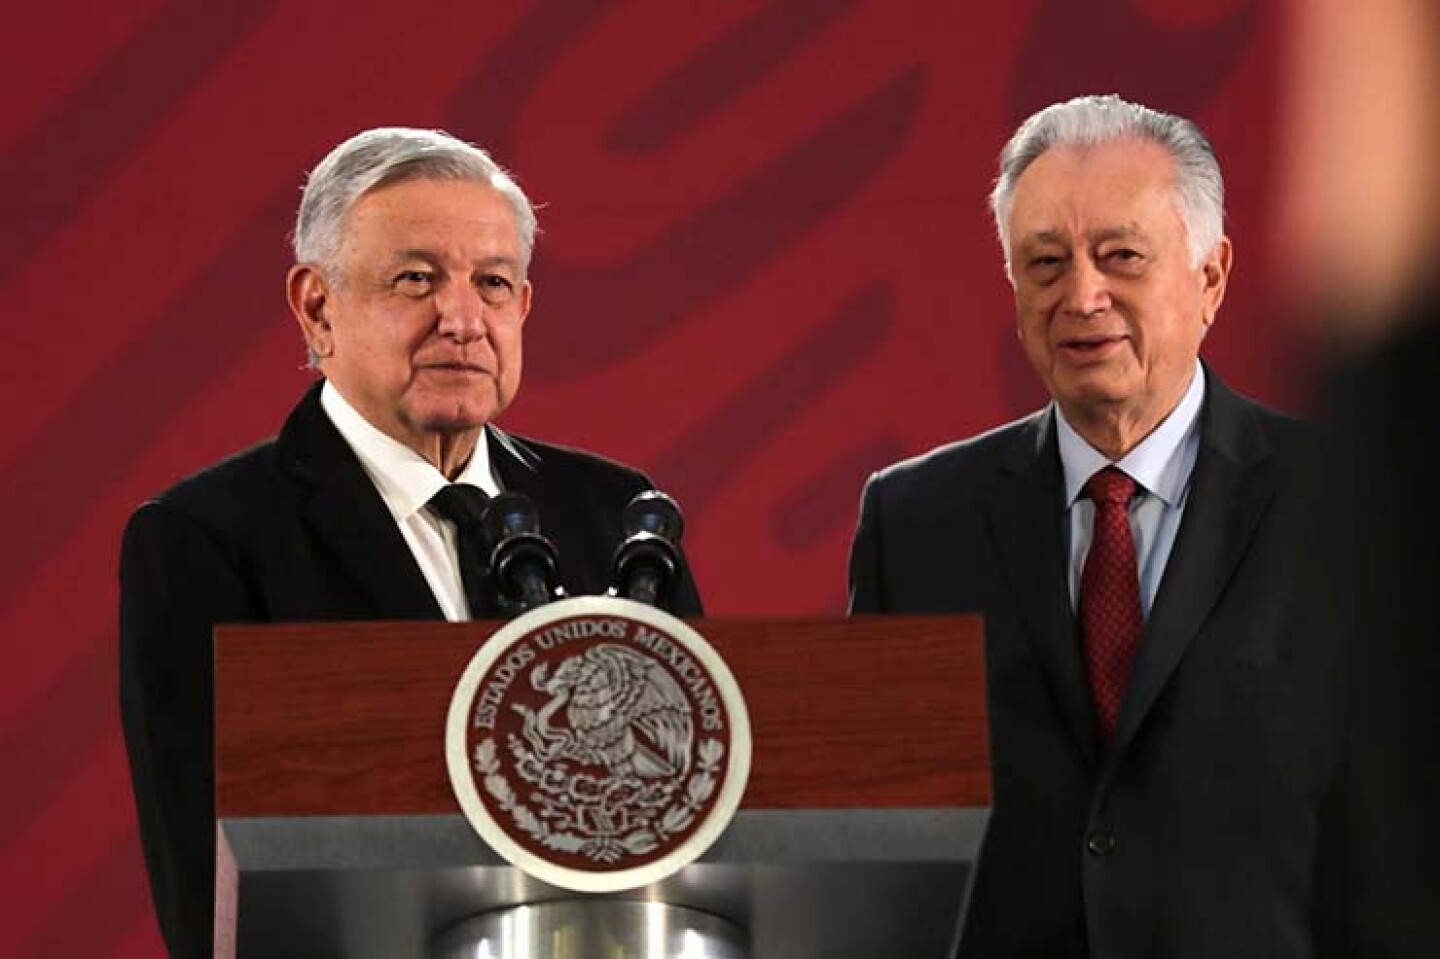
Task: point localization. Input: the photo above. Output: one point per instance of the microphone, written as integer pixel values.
(522, 561)
(647, 564)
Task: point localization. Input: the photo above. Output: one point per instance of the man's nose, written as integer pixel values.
(462, 312)
(1087, 289)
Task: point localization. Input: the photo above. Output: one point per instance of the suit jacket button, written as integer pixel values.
(1100, 843)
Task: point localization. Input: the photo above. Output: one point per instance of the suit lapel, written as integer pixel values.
(515, 464)
(1026, 511)
(347, 515)
(1230, 491)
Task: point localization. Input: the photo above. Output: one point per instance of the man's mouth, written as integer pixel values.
(456, 366)
(1090, 345)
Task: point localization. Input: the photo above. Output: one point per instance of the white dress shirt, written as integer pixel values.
(1161, 464)
(406, 481)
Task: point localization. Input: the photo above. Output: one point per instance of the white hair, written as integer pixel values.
(386, 156)
(1088, 121)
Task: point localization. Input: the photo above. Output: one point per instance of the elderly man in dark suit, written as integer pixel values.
(411, 290)
(1160, 729)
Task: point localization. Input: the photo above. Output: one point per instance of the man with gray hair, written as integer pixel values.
(411, 289)
(1161, 732)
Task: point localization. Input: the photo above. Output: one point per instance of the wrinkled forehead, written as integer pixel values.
(443, 213)
(1075, 190)
(425, 197)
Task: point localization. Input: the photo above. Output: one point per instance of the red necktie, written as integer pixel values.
(1110, 618)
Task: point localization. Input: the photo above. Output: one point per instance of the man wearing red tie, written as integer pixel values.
(1160, 730)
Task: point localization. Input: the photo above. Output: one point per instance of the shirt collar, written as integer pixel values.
(405, 480)
(1160, 463)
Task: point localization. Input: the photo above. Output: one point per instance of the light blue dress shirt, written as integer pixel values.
(1161, 464)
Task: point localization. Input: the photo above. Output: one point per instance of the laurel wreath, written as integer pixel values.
(676, 819)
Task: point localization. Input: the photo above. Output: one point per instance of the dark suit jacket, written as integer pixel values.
(1193, 833)
(292, 530)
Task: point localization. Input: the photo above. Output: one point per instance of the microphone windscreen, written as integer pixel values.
(655, 513)
(510, 514)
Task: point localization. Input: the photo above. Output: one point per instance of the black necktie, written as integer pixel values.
(464, 505)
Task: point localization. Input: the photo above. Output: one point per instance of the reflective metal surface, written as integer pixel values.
(586, 928)
(803, 884)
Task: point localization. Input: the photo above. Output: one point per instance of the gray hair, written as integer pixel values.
(386, 156)
(1088, 121)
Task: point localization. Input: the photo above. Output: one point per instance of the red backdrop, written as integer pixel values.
(766, 269)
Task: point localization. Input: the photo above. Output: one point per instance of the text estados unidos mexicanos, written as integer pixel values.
(517, 659)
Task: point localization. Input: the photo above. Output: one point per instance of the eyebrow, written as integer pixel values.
(488, 261)
(428, 256)
(1042, 236)
(1124, 231)
(401, 256)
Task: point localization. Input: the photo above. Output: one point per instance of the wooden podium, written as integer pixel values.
(340, 836)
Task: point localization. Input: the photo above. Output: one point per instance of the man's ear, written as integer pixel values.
(1215, 272)
(308, 293)
(526, 290)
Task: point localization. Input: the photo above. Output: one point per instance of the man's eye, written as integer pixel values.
(494, 287)
(1045, 267)
(413, 282)
(1125, 255)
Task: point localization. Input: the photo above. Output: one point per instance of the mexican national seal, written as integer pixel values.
(598, 744)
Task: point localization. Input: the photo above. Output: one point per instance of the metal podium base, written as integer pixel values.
(585, 928)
